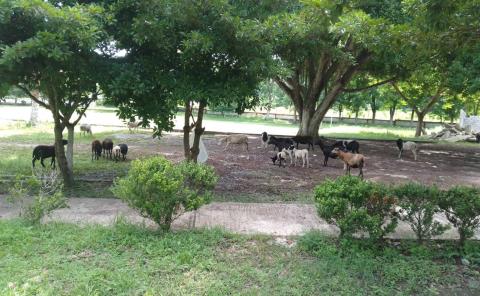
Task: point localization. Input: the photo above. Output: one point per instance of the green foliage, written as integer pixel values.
(419, 204)
(356, 206)
(158, 188)
(199, 180)
(462, 208)
(37, 196)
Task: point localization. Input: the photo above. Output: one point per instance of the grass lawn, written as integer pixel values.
(64, 259)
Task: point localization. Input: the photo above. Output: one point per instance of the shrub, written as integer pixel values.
(38, 195)
(462, 208)
(356, 206)
(158, 189)
(419, 204)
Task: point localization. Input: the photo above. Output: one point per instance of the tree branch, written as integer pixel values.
(395, 86)
(350, 90)
(40, 102)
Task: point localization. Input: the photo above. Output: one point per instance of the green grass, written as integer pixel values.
(63, 259)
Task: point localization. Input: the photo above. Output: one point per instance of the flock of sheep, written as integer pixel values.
(287, 147)
(345, 150)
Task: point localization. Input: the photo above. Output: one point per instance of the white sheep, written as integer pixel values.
(300, 153)
(412, 146)
(86, 128)
(234, 139)
(133, 125)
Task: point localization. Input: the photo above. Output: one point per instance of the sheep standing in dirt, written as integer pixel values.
(86, 129)
(264, 140)
(234, 139)
(350, 160)
(120, 151)
(107, 146)
(300, 153)
(412, 146)
(280, 157)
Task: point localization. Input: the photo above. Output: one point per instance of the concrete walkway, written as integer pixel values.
(244, 218)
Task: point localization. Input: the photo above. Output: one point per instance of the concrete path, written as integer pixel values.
(245, 218)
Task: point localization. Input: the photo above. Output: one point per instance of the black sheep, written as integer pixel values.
(120, 149)
(478, 137)
(107, 146)
(327, 151)
(96, 149)
(304, 140)
(45, 151)
(350, 146)
(280, 143)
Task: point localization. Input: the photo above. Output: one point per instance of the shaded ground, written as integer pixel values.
(252, 173)
(245, 218)
(251, 177)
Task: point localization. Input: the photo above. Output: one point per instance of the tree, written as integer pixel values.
(323, 45)
(392, 101)
(184, 52)
(52, 49)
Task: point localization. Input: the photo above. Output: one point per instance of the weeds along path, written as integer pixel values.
(275, 219)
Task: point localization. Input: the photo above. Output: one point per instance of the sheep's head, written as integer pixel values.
(335, 152)
(291, 147)
(274, 159)
(400, 144)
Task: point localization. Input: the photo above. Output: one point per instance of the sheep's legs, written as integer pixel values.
(414, 154)
(226, 146)
(400, 154)
(41, 162)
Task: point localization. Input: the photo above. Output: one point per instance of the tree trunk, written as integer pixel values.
(34, 114)
(392, 114)
(309, 124)
(61, 160)
(70, 135)
(340, 110)
(374, 113)
(195, 150)
(186, 131)
(356, 115)
(295, 117)
(411, 117)
(419, 130)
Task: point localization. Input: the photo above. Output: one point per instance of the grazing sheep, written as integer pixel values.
(234, 139)
(264, 140)
(280, 143)
(280, 157)
(412, 146)
(120, 149)
(302, 153)
(45, 151)
(86, 129)
(133, 125)
(304, 140)
(351, 160)
(348, 145)
(478, 137)
(96, 149)
(107, 146)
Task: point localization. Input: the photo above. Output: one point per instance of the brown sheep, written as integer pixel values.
(351, 160)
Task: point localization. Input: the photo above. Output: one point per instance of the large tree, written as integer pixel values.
(51, 49)
(323, 45)
(192, 53)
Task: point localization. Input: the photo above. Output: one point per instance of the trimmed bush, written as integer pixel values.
(462, 208)
(357, 206)
(158, 189)
(419, 204)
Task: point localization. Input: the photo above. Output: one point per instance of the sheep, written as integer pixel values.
(120, 149)
(86, 129)
(96, 149)
(133, 125)
(348, 145)
(280, 156)
(350, 160)
(327, 151)
(45, 151)
(264, 140)
(107, 146)
(234, 139)
(302, 153)
(280, 143)
(304, 140)
(477, 136)
(412, 146)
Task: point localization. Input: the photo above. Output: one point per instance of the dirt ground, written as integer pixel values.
(252, 172)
